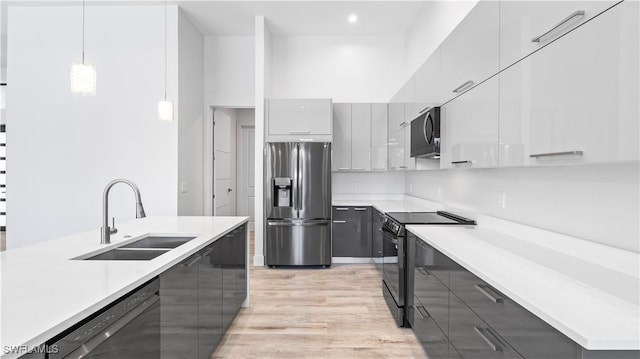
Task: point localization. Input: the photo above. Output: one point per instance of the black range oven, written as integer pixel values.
(394, 254)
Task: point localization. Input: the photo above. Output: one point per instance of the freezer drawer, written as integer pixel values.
(290, 243)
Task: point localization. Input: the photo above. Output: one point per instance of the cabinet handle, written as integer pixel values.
(426, 109)
(402, 124)
(461, 162)
(344, 169)
(576, 13)
(482, 332)
(463, 87)
(489, 292)
(360, 209)
(404, 167)
(423, 312)
(551, 154)
(339, 221)
(299, 132)
(424, 271)
(193, 261)
(342, 209)
(358, 169)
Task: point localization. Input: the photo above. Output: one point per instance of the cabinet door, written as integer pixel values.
(472, 337)
(377, 239)
(396, 136)
(428, 333)
(526, 26)
(428, 85)
(431, 278)
(409, 162)
(576, 100)
(239, 265)
(526, 333)
(229, 286)
(179, 310)
(469, 128)
(362, 220)
(351, 232)
(470, 54)
(341, 145)
(361, 137)
(379, 138)
(209, 301)
(299, 117)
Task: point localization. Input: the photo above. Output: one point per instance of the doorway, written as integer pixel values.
(234, 180)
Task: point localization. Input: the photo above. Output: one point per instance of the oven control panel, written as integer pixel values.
(392, 227)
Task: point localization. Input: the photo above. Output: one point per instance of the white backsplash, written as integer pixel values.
(387, 183)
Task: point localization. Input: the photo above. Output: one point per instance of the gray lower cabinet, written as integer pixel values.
(200, 296)
(377, 218)
(351, 232)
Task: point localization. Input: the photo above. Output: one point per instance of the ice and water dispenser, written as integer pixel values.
(282, 192)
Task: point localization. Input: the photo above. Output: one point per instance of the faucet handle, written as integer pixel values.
(113, 229)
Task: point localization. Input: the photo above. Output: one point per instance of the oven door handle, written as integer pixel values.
(91, 344)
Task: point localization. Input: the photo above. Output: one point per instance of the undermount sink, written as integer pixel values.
(158, 242)
(142, 249)
(128, 255)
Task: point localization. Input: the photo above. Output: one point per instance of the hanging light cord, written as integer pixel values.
(83, 6)
(165, 50)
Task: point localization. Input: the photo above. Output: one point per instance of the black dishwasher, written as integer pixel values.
(126, 329)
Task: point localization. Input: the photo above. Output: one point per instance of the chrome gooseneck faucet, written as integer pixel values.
(107, 231)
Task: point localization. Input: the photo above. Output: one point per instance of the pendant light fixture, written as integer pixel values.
(83, 75)
(165, 107)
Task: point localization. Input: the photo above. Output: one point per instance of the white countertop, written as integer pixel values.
(587, 291)
(44, 292)
(388, 205)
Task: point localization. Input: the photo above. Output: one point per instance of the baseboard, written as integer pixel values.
(351, 260)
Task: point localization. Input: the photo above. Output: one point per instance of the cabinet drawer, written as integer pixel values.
(526, 26)
(428, 333)
(472, 337)
(526, 333)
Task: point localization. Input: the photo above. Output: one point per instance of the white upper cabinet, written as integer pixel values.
(396, 136)
(341, 146)
(470, 54)
(361, 137)
(469, 129)
(409, 162)
(526, 26)
(379, 137)
(576, 100)
(299, 120)
(427, 84)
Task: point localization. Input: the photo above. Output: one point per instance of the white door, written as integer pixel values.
(246, 172)
(224, 202)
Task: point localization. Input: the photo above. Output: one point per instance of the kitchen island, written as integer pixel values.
(45, 290)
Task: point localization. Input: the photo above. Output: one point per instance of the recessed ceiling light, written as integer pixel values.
(353, 18)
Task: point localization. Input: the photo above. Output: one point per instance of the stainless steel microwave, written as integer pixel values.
(425, 134)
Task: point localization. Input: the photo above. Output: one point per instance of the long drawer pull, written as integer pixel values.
(562, 22)
(424, 271)
(360, 209)
(402, 124)
(484, 333)
(342, 208)
(489, 292)
(423, 311)
(344, 169)
(358, 169)
(461, 162)
(463, 87)
(339, 221)
(299, 132)
(551, 154)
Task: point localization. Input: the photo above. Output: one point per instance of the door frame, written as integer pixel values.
(242, 157)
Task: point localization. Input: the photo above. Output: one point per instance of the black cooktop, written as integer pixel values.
(439, 217)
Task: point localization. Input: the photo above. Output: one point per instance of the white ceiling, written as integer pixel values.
(303, 18)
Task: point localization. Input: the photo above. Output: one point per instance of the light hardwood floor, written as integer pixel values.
(317, 313)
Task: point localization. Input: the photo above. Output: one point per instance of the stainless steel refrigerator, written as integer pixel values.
(298, 204)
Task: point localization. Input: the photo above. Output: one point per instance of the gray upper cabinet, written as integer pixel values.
(526, 26)
(379, 137)
(361, 137)
(341, 160)
(470, 54)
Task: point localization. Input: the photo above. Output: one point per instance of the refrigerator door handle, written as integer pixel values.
(299, 177)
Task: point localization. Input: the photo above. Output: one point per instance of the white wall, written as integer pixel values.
(368, 183)
(598, 202)
(264, 62)
(229, 71)
(345, 68)
(190, 118)
(431, 25)
(64, 148)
